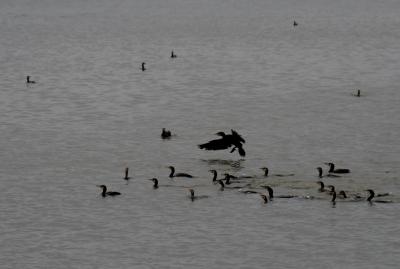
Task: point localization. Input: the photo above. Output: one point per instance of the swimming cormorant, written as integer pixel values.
(358, 94)
(226, 141)
(105, 193)
(372, 195)
(322, 186)
(29, 81)
(343, 194)
(127, 174)
(172, 174)
(222, 184)
(295, 23)
(266, 170)
(192, 197)
(173, 55)
(143, 68)
(337, 171)
(264, 197)
(214, 175)
(328, 175)
(165, 134)
(333, 197)
(155, 186)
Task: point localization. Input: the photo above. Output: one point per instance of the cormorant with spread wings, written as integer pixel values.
(226, 141)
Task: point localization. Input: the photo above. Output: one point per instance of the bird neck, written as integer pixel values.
(172, 172)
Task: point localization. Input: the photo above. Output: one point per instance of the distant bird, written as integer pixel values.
(358, 94)
(127, 174)
(343, 194)
(266, 170)
(172, 174)
(271, 194)
(328, 175)
(264, 197)
(143, 68)
(29, 81)
(192, 197)
(222, 184)
(215, 175)
(337, 171)
(226, 141)
(155, 181)
(165, 134)
(322, 186)
(105, 193)
(173, 55)
(372, 195)
(295, 23)
(333, 197)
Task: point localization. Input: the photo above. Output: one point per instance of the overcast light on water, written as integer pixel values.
(288, 90)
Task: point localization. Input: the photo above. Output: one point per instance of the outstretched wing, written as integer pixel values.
(217, 144)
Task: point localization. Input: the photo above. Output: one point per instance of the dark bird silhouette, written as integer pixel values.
(28, 80)
(105, 193)
(320, 172)
(264, 197)
(271, 194)
(266, 170)
(165, 134)
(337, 171)
(333, 197)
(127, 174)
(343, 194)
(172, 174)
(143, 68)
(372, 195)
(173, 55)
(295, 23)
(358, 94)
(322, 186)
(226, 141)
(215, 175)
(192, 197)
(155, 181)
(222, 184)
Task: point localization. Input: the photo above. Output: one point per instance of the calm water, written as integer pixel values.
(240, 65)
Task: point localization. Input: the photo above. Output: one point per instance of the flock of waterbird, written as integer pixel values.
(236, 141)
(232, 182)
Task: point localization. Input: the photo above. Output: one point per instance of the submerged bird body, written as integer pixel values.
(105, 193)
(155, 186)
(172, 174)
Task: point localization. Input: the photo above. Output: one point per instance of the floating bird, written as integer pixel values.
(295, 23)
(333, 197)
(372, 195)
(337, 171)
(155, 181)
(222, 184)
(214, 175)
(358, 94)
(143, 68)
(173, 55)
(192, 197)
(271, 194)
(264, 197)
(266, 170)
(226, 141)
(343, 194)
(322, 186)
(105, 193)
(328, 175)
(29, 81)
(165, 134)
(127, 174)
(172, 174)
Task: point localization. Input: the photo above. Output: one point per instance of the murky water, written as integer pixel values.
(241, 65)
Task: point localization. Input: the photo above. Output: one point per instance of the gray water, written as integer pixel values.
(241, 65)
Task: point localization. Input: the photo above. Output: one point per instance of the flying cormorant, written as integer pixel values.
(226, 141)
